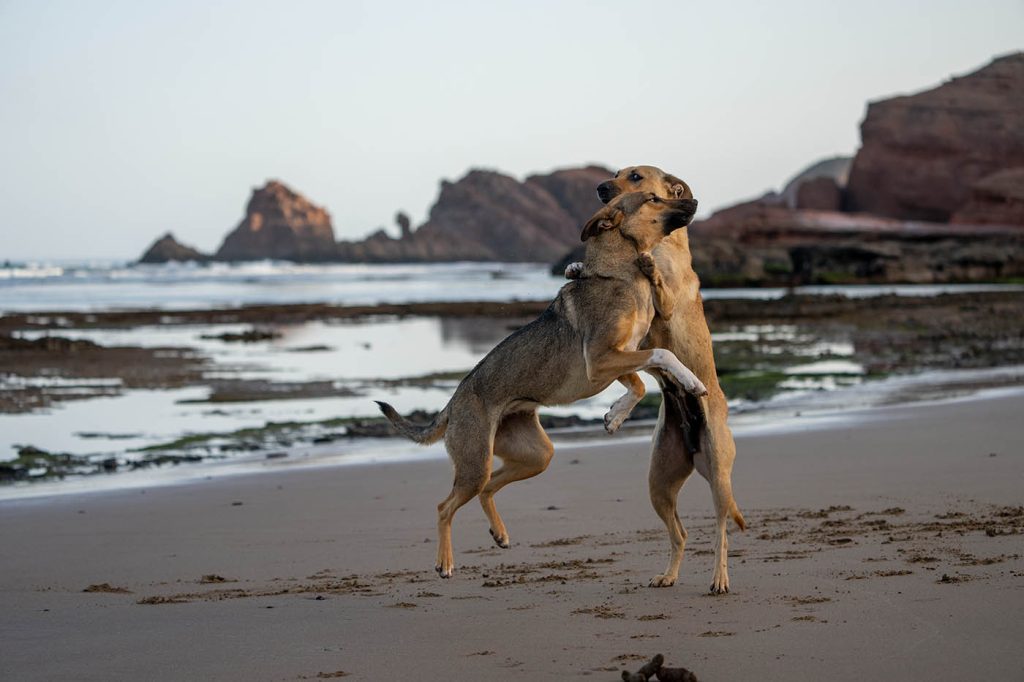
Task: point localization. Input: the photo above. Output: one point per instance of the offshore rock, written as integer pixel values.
(280, 224)
(167, 248)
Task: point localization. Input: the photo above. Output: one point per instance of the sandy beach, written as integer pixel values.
(887, 546)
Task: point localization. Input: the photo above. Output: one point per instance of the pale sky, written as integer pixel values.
(123, 120)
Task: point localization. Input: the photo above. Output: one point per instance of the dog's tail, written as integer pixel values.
(424, 435)
(737, 515)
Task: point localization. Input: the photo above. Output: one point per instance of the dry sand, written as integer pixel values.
(886, 548)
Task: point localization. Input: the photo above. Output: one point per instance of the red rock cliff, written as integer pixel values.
(923, 153)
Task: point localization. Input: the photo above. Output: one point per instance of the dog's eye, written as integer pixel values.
(654, 200)
(635, 177)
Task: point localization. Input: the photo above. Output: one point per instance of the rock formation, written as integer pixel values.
(404, 225)
(819, 185)
(953, 154)
(922, 153)
(167, 248)
(995, 199)
(575, 190)
(759, 244)
(496, 217)
(280, 224)
(820, 194)
(763, 244)
(490, 216)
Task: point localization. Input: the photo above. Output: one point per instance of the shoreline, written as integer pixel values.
(899, 538)
(207, 392)
(781, 421)
(829, 411)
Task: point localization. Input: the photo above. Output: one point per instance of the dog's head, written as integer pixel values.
(644, 179)
(641, 217)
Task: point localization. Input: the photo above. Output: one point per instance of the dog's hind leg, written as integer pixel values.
(470, 451)
(671, 465)
(714, 462)
(525, 451)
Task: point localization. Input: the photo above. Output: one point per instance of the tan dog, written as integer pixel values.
(494, 408)
(690, 433)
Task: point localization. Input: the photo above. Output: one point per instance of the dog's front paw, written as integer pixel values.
(663, 580)
(619, 412)
(613, 420)
(574, 270)
(645, 261)
(690, 383)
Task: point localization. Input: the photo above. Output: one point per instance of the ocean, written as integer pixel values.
(107, 285)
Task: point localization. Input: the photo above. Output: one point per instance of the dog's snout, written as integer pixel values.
(606, 191)
(688, 206)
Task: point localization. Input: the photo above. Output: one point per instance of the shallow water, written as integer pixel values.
(362, 356)
(413, 363)
(357, 356)
(789, 412)
(365, 348)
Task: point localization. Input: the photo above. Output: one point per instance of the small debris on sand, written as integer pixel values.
(211, 578)
(108, 588)
(162, 600)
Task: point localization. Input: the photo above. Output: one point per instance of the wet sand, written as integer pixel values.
(886, 548)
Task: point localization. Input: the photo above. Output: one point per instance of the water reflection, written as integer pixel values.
(478, 335)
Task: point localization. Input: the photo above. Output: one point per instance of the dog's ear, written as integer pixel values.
(679, 214)
(605, 219)
(677, 189)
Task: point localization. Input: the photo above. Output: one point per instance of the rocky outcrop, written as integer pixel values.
(575, 190)
(764, 243)
(951, 154)
(758, 243)
(484, 216)
(995, 199)
(956, 151)
(167, 249)
(404, 225)
(490, 216)
(819, 194)
(936, 194)
(496, 217)
(280, 224)
(819, 186)
(923, 153)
